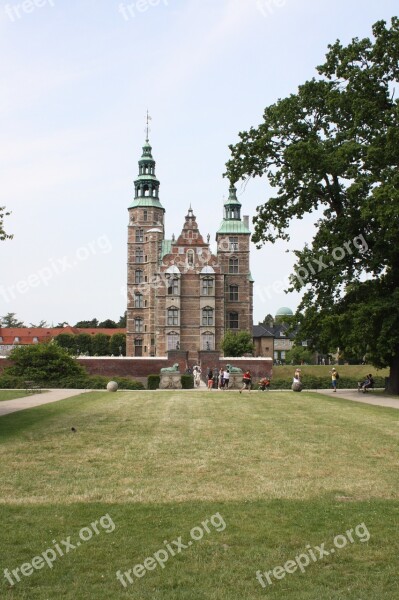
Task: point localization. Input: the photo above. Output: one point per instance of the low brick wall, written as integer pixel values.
(140, 368)
(124, 367)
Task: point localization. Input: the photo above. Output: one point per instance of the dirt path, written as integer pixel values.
(367, 398)
(10, 406)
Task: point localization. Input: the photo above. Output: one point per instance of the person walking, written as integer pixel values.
(334, 379)
(246, 381)
(221, 381)
(210, 379)
(226, 378)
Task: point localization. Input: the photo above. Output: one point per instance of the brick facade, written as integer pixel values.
(180, 295)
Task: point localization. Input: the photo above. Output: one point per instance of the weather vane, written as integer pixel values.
(147, 128)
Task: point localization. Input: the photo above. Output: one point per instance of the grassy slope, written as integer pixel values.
(283, 470)
(355, 371)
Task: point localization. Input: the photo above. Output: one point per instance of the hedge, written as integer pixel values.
(187, 382)
(153, 382)
(94, 382)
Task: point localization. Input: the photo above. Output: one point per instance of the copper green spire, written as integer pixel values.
(146, 185)
(232, 215)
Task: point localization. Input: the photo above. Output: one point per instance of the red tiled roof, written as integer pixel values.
(27, 334)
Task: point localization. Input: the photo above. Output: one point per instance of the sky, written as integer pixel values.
(77, 77)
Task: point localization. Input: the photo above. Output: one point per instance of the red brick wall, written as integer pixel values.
(136, 367)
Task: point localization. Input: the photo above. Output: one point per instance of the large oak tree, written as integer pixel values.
(3, 234)
(333, 147)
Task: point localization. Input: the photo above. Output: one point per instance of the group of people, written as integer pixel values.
(219, 379)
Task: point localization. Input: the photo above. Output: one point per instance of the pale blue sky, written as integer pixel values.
(77, 78)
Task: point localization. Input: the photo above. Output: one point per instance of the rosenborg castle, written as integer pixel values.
(180, 295)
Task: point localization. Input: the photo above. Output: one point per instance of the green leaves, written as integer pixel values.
(333, 147)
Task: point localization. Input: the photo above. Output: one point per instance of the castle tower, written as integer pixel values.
(233, 248)
(145, 238)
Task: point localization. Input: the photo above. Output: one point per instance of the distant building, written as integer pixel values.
(181, 296)
(275, 340)
(10, 337)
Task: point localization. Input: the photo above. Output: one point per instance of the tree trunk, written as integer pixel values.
(393, 383)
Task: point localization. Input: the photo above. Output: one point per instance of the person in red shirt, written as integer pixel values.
(246, 381)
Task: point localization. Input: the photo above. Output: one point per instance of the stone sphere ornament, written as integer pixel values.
(297, 386)
(112, 386)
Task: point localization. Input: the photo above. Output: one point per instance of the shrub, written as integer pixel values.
(8, 382)
(187, 382)
(43, 364)
(153, 382)
(124, 383)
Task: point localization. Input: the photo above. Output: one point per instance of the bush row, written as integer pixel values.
(94, 382)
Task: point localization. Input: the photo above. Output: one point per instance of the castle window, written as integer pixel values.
(173, 316)
(207, 316)
(145, 215)
(16, 340)
(233, 293)
(139, 235)
(208, 341)
(138, 347)
(233, 265)
(138, 325)
(139, 255)
(173, 341)
(190, 258)
(207, 286)
(35, 340)
(138, 276)
(233, 244)
(173, 286)
(232, 320)
(138, 301)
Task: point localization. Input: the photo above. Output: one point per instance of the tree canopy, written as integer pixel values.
(3, 234)
(237, 344)
(333, 149)
(10, 320)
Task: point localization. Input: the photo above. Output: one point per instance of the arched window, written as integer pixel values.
(138, 301)
(233, 265)
(208, 341)
(207, 316)
(173, 341)
(138, 276)
(138, 325)
(173, 316)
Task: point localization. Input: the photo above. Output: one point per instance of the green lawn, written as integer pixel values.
(355, 371)
(270, 476)
(13, 394)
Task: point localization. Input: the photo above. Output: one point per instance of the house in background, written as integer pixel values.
(10, 337)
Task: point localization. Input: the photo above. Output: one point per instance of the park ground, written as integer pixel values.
(272, 476)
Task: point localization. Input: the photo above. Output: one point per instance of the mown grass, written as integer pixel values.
(284, 470)
(352, 371)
